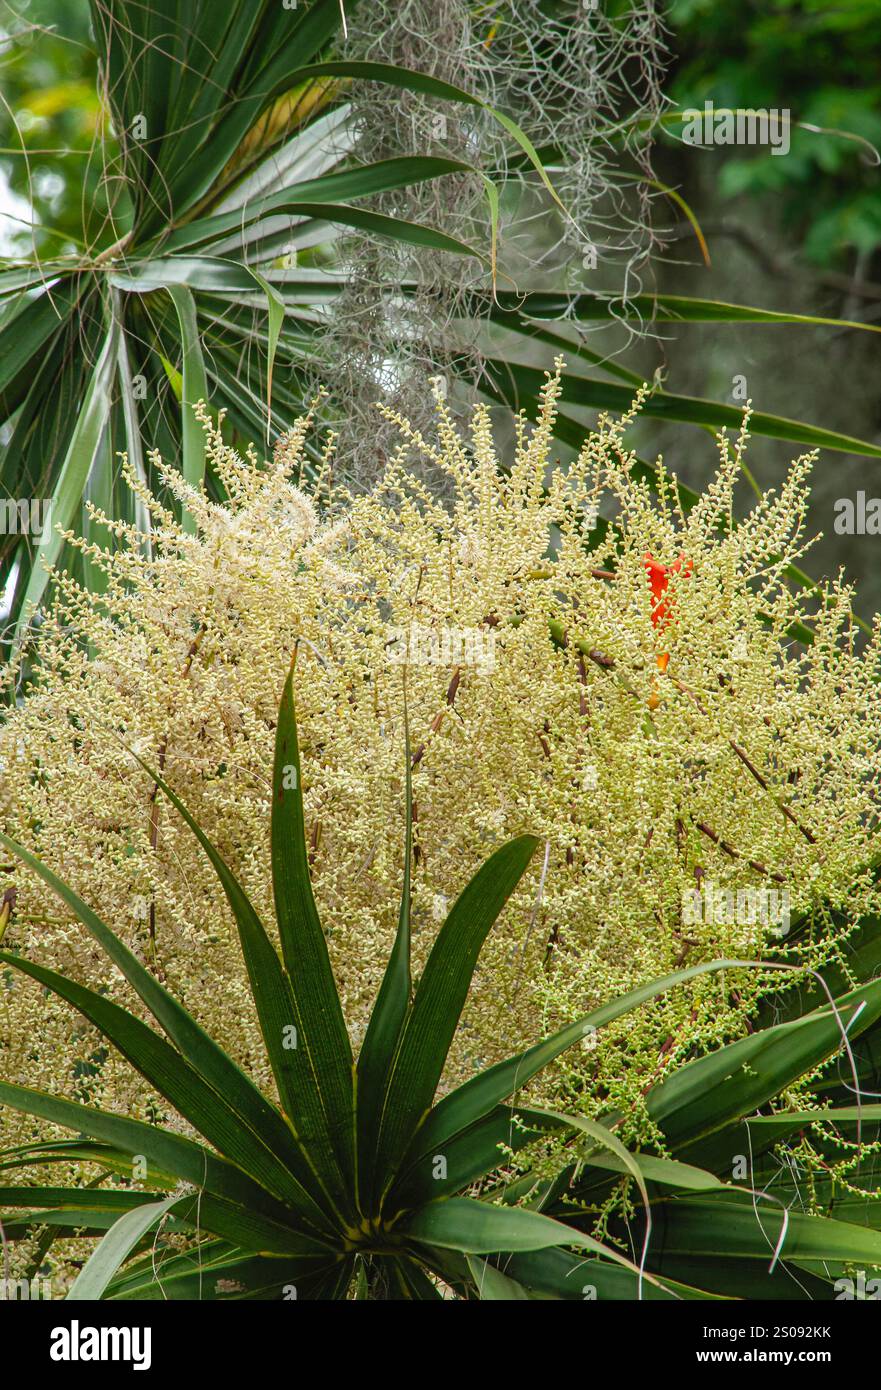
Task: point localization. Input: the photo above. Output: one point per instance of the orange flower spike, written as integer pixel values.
(659, 579)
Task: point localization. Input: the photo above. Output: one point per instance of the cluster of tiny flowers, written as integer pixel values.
(657, 755)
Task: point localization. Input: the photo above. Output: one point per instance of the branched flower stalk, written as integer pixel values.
(691, 809)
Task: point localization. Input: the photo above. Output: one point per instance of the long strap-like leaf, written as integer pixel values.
(215, 1272)
(282, 1026)
(729, 1227)
(70, 486)
(441, 995)
(473, 1154)
(477, 1228)
(638, 308)
(115, 1248)
(389, 1013)
(194, 389)
(188, 1161)
(330, 188)
(736, 1080)
(748, 1062)
(172, 1075)
(478, 1096)
(325, 1099)
(527, 383)
(204, 1054)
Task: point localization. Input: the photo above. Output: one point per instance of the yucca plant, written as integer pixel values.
(226, 165)
(360, 1182)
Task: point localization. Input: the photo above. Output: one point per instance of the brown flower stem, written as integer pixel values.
(787, 811)
(550, 948)
(665, 1049)
(735, 996)
(414, 827)
(688, 941)
(734, 854)
(438, 719)
(7, 907)
(606, 663)
(750, 766)
(314, 842)
(680, 835)
(670, 1040)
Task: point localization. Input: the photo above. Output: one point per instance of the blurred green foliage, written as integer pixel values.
(822, 61)
(51, 125)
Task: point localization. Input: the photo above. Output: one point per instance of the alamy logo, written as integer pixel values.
(77, 1343)
(29, 516)
(866, 1290)
(720, 907)
(451, 646)
(722, 126)
(20, 1290)
(859, 518)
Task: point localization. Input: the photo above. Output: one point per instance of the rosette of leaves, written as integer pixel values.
(226, 161)
(359, 1180)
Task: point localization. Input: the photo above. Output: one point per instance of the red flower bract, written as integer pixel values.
(659, 579)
